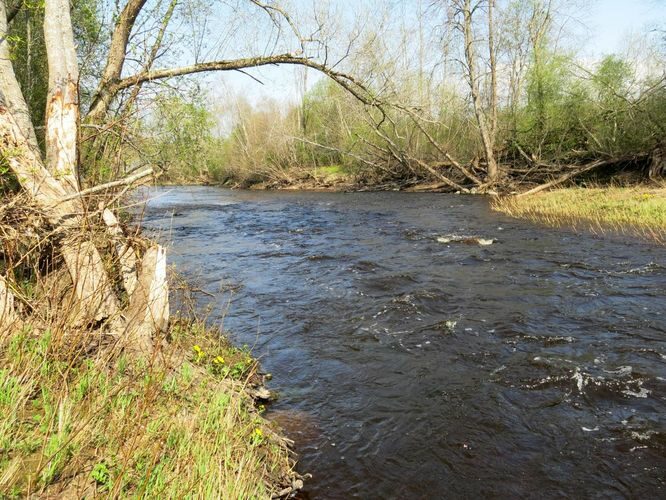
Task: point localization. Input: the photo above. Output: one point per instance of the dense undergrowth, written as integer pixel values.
(567, 117)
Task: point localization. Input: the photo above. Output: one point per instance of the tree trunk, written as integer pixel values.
(657, 167)
(125, 253)
(48, 187)
(148, 310)
(115, 60)
(62, 107)
(10, 88)
(487, 136)
(492, 61)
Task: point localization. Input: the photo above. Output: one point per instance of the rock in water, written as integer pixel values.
(468, 240)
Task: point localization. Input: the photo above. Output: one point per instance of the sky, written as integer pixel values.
(599, 26)
(611, 21)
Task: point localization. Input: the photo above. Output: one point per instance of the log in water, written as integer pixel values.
(421, 364)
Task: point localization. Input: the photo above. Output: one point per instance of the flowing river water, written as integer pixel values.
(409, 366)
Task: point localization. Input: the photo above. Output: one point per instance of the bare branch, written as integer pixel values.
(350, 83)
(272, 10)
(565, 177)
(132, 179)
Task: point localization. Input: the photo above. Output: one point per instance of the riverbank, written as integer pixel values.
(80, 416)
(87, 410)
(637, 210)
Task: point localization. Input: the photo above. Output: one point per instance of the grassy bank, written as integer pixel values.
(81, 416)
(87, 408)
(637, 210)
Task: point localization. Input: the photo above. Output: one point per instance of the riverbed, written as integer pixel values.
(414, 362)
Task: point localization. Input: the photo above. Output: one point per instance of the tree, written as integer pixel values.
(486, 116)
(52, 182)
(53, 178)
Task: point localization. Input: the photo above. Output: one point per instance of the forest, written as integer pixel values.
(458, 95)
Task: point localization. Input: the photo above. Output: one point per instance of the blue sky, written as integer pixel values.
(611, 21)
(597, 27)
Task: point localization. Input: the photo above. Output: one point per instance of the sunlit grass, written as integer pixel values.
(330, 172)
(80, 418)
(639, 210)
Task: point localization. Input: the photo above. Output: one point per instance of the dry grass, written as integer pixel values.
(638, 210)
(84, 413)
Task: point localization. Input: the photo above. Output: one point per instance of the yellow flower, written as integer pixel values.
(257, 436)
(197, 349)
(219, 360)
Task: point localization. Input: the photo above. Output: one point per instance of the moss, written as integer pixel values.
(331, 170)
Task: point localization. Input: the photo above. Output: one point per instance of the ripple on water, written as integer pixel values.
(408, 367)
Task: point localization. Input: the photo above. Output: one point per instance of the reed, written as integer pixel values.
(636, 211)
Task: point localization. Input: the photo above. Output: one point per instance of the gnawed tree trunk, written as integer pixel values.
(92, 284)
(148, 311)
(54, 186)
(9, 320)
(49, 186)
(125, 253)
(62, 106)
(97, 300)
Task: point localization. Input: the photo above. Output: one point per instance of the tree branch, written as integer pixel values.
(348, 82)
(271, 10)
(565, 177)
(109, 185)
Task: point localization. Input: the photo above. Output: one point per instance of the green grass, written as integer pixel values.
(81, 417)
(638, 210)
(331, 171)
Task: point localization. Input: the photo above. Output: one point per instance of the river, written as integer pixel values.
(409, 366)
